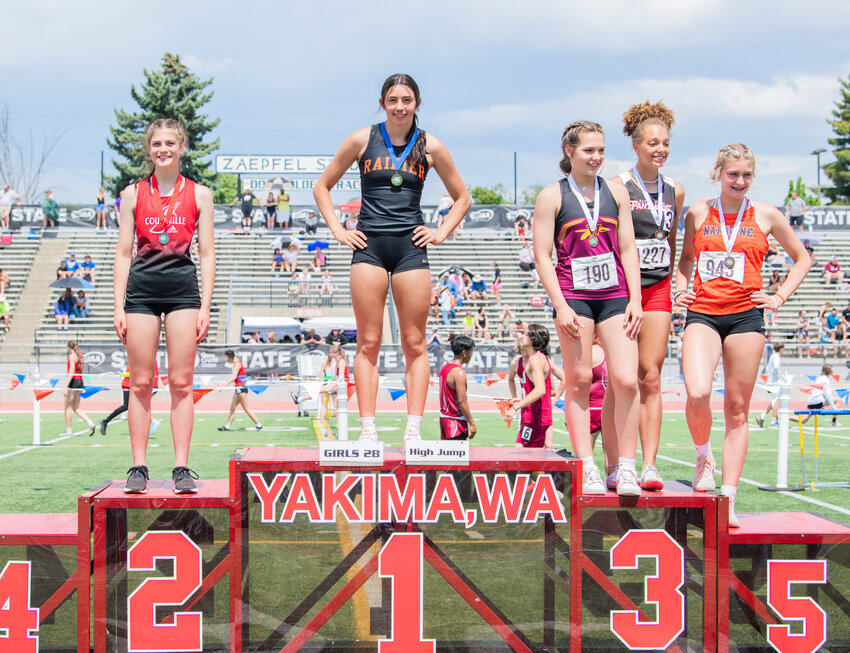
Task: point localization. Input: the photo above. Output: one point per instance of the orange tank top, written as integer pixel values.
(725, 296)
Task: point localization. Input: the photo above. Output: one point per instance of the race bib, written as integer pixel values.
(526, 433)
(712, 265)
(653, 253)
(594, 272)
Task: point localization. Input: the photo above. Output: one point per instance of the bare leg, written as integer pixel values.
(578, 374)
(652, 347)
(369, 285)
(232, 413)
(621, 355)
(142, 342)
(700, 354)
(243, 401)
(180, 334)
(411, 290)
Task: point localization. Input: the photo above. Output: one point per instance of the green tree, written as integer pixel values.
(839, 170)
(488, 194)
(802, 191)
(171, 91)
(224, 188)
(529, 195)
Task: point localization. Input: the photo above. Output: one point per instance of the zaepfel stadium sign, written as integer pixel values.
(274, 164)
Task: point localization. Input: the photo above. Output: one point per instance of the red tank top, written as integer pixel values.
(78, 367)
(540, 412)
(448, 396)
(725, 296)
(240, 375)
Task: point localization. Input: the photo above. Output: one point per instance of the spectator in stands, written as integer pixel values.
(478, 288)
(271, 211)
(73, 385)
(834, 330)
(526, 258)
(304, 286)
(290, 258)
(351, 222)
(277, 262)
(311, 223)
(443, 208)
(327, 287)
(803, 339)
(319, 260)
(271, 338)
(677, 323)
(435, 338)
(810, 249)
(468, 324)
(505, 318)
(81, 303)
(7, 198)
(435, 298)
(72, 264)
(519, 330)
(520, 226)
(775, 281)
(4, 280)
(71, 302)
(825, 309)
(4, 311)
(446, 302)
(336, 336)
(62, 312)
(87, 269)
(465, 286)
(100, 209)
(832, 270)
(795, 210)
(294, 298)
(497, 283)
(481, 323)
(50, 209)
(255, 338)
(284, 210)
(246, 203)
(312, 338)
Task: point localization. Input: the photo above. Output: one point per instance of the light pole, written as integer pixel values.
(817, 153)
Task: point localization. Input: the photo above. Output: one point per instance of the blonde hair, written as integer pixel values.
(731, 152)
(640, 116)
(74, 347)
(572, 136)
(164, 123)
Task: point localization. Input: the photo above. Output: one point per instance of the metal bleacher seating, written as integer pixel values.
(16, 260)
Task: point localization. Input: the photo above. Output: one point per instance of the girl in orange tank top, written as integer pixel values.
(725, 309)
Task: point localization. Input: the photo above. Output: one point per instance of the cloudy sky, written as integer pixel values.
(496, 77)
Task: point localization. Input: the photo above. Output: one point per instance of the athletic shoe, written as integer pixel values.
(704, 475)
(137, 483)
(155, 424)
(627, 482)
(774, 424)
(103, 427)
(611, 481)
(733, 518)
(412, 434)
(92, 429)
(591, 482)
(258, 427)
(183, 483)
(368, 434)
(650, 479)
(760, 422)
(224, 428)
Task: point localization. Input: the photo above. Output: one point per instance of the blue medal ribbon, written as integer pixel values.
(397, 161)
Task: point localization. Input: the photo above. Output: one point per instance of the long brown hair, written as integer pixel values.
(572, 136)
(417, 154)
(163, 123)
(74, 347)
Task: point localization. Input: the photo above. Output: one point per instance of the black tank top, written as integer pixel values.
(644, 223)
(388, 209)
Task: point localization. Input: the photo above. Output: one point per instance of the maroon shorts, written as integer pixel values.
(657, 297)
(453, 429)
(532, 435)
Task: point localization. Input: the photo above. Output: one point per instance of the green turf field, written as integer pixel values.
(48, 479)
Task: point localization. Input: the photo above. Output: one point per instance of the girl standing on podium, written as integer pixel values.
(726, 239)
(159, 285)
(390, 240)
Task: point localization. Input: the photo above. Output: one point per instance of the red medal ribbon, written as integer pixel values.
(165, 220)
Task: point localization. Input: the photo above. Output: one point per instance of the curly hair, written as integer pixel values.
(572, 136)
(732, 151)
(639, 116)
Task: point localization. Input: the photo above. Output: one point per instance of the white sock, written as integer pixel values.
(704, 450)
(90, 423)
(414, 423)
(588, 462)
(367, 423)
(68, 431)
(728, 491)
(626, 462)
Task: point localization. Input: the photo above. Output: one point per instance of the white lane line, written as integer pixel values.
(30, 448)
(793, 495)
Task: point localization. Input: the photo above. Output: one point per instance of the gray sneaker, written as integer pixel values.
(137, 483)
(704, 475)
(183, 483)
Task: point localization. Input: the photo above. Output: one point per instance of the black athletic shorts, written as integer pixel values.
(157, 308)
(749, 321)
(76, 384)
(598, 310)
(796, 220)
(394, 253)
(241, 390)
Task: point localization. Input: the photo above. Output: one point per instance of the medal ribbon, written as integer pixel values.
(397, 161)
(165, 220)
(592, 220)
(729, 239)
(656, 211)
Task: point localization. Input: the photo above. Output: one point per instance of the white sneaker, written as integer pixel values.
(733, 518)
(368, 434)
(627, 482)
(155, 424)
(591, 482)
(650, 479)
(412, 434)
(704, 475)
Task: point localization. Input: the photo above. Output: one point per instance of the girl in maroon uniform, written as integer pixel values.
(159, 285)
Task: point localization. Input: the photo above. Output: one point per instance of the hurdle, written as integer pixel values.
(815, 413)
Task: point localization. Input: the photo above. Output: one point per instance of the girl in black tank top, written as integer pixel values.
(390, 240)
(655, 220)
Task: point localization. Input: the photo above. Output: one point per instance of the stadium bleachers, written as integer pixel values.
(16, 260)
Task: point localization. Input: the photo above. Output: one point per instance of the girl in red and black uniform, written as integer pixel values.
(160, 285)
(240, 396)
(654, 220)
(391, 239)
(73, 386)
(726, 238)
(456, 421)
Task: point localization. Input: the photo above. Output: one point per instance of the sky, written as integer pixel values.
(496, 78)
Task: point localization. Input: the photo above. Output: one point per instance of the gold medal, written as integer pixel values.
(396, 179)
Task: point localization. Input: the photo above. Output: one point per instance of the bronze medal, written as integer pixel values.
(396, 179)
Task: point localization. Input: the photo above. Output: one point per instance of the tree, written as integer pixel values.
(802, 191)
(22, 165)
(172, 91)
(224, 188)
(529, 195)
(839, 170)
(488, 195)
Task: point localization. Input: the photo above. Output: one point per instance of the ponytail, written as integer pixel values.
(572, 136)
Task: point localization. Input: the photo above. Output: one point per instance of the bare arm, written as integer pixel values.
(206, 252)
(558, 373)
(629, 260)
(123, 254)
(444, 166)
(512, 368)
(457, 380)
(235, 375)
(687, 258)
(538, 381)
(774, 223)
(674, 227)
